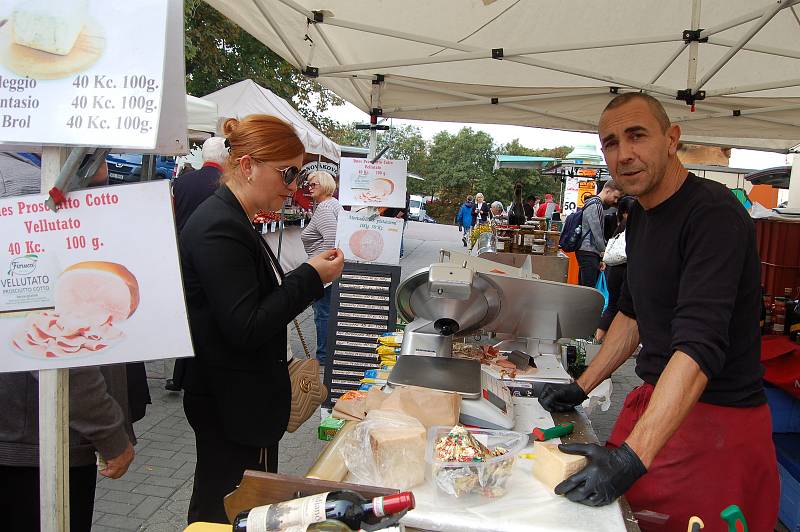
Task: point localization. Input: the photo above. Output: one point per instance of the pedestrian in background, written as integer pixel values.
(481, 213)
(319, 236)
(237, 392)
(464, 219)
(593, 241)
(615, 266)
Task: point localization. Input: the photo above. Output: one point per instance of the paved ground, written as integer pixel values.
(154, 495)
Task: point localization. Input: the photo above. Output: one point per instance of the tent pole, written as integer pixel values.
(297, 7)
(744, 19)
(694, 46)
(669, 62)
(745, 112)
(709, 107)
(482, 100)
(794, 182)
(278, 29)
(754, 87)
(749, 34)
(338, 59)
(771, 50)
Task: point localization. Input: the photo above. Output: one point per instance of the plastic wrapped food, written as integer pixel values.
(461, 464)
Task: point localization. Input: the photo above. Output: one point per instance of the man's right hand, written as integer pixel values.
(329, 265)
(561, 397)
(118, 466)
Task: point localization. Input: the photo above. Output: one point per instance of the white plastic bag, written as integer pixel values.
(387, 449)
(615, 250)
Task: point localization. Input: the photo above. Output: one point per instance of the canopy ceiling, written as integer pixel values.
(247, 97)
(550, 63)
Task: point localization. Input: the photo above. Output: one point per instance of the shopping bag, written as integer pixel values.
(603, 288)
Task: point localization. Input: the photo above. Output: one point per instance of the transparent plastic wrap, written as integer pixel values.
(472, 461)
(387, 449)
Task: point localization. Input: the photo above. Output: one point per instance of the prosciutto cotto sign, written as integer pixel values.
(97, 282)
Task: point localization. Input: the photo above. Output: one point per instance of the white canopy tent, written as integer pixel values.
(201, 117)
(247, 97)
(552, 63)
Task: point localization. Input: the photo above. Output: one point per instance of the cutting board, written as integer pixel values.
(36, 64)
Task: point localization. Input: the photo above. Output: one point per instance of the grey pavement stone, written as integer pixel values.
(120, 522)
(157, 491)
(111, 507)
(148, 507)
(123, 496)
(118, 485)
(166, 482)
(153, 452)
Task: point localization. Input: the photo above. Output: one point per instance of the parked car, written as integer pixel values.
(127, 167)
(416, 208)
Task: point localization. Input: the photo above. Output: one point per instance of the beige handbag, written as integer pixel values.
(308, 391)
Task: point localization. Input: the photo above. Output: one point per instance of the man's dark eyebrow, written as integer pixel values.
(607, 137)
(635, 129)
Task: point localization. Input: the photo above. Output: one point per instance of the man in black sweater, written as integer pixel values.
(696, 436)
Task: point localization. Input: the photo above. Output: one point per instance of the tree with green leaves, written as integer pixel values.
(534, 183)
(219, 53)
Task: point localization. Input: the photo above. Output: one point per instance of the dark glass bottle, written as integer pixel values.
(345, 506)
(516, 213)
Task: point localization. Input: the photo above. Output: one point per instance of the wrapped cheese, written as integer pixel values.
(552, 467)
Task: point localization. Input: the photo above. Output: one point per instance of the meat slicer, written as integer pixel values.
(463, 294)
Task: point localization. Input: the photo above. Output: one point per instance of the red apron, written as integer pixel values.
(718, 456)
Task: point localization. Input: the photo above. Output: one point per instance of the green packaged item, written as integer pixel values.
(329, 427)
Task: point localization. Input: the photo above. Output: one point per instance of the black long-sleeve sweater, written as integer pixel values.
(693, 285)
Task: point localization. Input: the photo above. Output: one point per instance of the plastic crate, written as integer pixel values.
(779, 250)
(787, 450)
(785, 410)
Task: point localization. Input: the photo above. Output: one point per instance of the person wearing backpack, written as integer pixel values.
(592, 240)
(464, 219)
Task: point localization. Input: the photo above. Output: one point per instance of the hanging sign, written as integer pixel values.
(325, 166)
(79, 288)
(73, 73)
(369, 240)
(586, 189)
(570, 196)
(378, 184)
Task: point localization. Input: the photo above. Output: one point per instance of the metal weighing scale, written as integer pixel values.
(463, 294)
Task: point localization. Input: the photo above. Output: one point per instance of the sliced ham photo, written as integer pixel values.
(366, 244)
(90, 298)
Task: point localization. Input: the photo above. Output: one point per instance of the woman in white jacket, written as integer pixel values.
(615, 266)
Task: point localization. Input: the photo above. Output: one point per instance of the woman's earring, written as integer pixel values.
(249, 179)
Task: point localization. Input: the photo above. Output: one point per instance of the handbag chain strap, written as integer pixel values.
(302, 338)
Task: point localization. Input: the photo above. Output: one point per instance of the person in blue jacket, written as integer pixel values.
(464, 219)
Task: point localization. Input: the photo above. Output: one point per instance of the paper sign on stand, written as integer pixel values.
(371, 240)
(378, 184)
(72, 73)
(87, 292)
(586, 189)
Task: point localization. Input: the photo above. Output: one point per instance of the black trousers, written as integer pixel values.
(588, 268)
(20, 504)
(614, 277)
(220, 461)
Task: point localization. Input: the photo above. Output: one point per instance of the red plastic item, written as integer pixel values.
(781, 359)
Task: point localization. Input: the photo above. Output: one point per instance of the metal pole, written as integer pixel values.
(794, 182)
(53, 411)
(694, 46)
(754, 87)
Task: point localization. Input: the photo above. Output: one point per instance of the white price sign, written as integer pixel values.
(374, 240)
(378, 184)
(97, 282)
(82, 72)
(570, 196)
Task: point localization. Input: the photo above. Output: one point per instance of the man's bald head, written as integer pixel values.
(655, 106)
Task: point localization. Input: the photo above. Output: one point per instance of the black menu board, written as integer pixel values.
(362, 308)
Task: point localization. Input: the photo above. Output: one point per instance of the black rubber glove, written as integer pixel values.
(561, 397)
(609, 474)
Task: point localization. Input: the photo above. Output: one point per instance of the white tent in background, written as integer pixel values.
(551, 63)
(201, 117)
(247, 97)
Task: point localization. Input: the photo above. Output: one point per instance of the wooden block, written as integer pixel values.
(551, 466)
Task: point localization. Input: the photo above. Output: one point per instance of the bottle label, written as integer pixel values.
(290, 515)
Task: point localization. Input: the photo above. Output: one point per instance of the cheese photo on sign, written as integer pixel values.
(42, 39)
(91, 299)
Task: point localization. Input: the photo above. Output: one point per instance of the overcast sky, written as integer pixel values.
(541, 138)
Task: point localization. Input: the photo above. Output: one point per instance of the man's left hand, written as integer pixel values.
(609, 474)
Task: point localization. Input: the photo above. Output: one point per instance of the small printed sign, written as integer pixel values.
(378, 184)
(371, 240)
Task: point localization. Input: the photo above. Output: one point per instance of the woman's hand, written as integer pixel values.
(602, 266)
(328, 264)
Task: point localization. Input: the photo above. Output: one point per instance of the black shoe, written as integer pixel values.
(171, 386)
(464, 240)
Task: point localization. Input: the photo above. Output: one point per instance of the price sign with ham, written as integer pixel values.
(378, 184)
(369, 240)
(97, 282)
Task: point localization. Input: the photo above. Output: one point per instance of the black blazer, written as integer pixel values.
(191, 189)
(238, 315)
